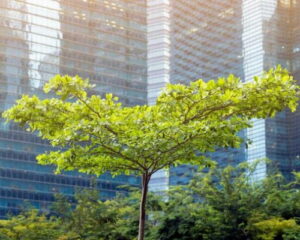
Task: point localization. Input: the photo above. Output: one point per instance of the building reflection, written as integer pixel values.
(104, 41)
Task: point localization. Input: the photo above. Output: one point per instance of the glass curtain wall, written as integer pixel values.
(104, 41)
(205, 43)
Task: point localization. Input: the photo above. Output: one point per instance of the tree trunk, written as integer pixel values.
(142, 220)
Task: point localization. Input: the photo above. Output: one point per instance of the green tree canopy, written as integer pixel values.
(30, 226)
(99, 134)
(225, 204)
(222, 204)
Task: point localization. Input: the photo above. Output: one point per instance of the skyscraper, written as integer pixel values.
(270, 37)
(104, 41)
(196, 39)
(124, 52)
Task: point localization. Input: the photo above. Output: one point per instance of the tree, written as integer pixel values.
(183, 218)
(277, 228)
(30, 226)
(92, 219)
(244, 203)
(97, 134)
(224, 204)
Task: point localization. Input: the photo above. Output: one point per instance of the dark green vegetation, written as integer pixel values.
(219, 205)
(97, 134)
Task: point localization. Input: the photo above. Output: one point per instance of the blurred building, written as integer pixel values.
(132, 49)
(188, 40)
(104, 41)
(271, 37)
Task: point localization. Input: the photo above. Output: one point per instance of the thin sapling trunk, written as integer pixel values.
(142, 219)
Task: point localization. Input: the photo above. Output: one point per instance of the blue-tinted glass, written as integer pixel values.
(104, 41)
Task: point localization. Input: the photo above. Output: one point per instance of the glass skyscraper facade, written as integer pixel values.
(104, 41)
(202, 39)
(205, 40)
(132, 49)
(210, 39)
(294, 118)
(205, 43)
(270, 37)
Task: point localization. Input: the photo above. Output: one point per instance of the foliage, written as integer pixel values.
(87, 218)
(29, 226)
(95, 134)
(183, 219)
(101, 135)
(277, 228)
(283, 201)
(90, 218)
(227, 205)
(217, 205)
